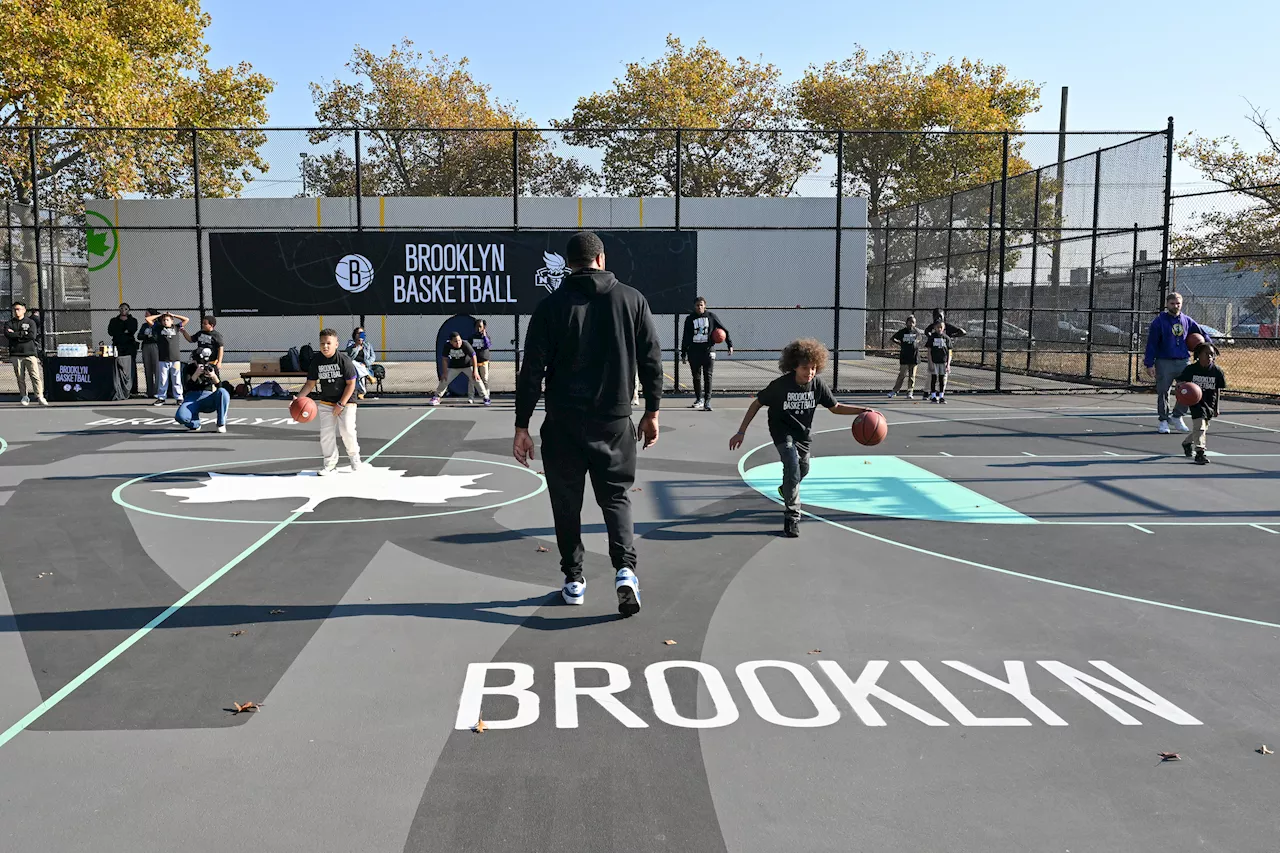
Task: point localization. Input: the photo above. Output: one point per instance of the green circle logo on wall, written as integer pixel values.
(101, 243)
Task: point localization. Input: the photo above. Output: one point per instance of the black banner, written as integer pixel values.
(298, 273)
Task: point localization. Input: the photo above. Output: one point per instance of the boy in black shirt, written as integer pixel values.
(791, 400)
(169, 371)
(1211, 380)
(209, 343)
(939, 337)
(458, 358)
(335, 373)
(908, 340)
(696, 347)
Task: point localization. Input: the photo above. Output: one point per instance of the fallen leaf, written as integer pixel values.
(1266, 751)
(276, 612)
(1170, 756)
(543, 549)
(247, 706)
(539, 473)
(668, 642)
(479, 728)
(237, 633)
(816, 652)
(637, 489)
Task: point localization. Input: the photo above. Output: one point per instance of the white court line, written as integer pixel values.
(1109, 453)
(1268, 529)
(1025, 453)
(1250, 426)
(1143, 529)
(943, 453)
(1160, 523)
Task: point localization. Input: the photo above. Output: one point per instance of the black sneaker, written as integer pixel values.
(1201, 459)
(791, 528)
(158, 403)
(1186, 450)
(706, 407)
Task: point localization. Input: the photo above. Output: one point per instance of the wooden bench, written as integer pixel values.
(248, 376)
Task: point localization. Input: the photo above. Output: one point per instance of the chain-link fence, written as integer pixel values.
(1226, 265)
(1053, 270)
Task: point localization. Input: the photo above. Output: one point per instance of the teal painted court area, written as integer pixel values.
(886, 486)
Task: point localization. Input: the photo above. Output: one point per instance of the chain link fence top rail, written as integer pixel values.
(1054, 264)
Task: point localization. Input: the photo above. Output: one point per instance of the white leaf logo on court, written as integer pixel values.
(354, 273)
(372, 484)
(552, 274)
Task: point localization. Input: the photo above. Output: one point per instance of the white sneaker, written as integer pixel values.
(574, 592)
(26, 401)
(1164, 428)
(42, 401)
(222, 429)
(327, 470)
(911, 395)
(697, 404)
(356, 464)
(471, 401)
(1181, 425)
(434, 401)
(627, 586)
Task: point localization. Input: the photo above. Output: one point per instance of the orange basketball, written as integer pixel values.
(1189, 393)
(718, 336)
(870, 428)
(1194, 340)
(302, 409)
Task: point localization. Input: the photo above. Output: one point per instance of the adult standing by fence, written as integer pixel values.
(697, 347)
(23, 333)
(1166, 357)
(123, 330)
(588, 340)
(150, 346)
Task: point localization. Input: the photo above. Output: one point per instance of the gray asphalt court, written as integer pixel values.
(993, 628)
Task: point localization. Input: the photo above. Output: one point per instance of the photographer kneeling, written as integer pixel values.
(205, 397)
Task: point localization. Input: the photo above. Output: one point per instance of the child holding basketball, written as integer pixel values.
(335, 373)
(791, 400)
(1206, 374)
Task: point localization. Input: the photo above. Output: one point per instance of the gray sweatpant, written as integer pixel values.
(1167, 372)
(795, 467)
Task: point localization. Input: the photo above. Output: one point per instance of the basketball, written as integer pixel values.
(870, 428)
(302, 409)
(1189, 393)
(1194, 340)
(718, 336)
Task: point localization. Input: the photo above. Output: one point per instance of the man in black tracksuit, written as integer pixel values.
(587, 341)
(695, 347)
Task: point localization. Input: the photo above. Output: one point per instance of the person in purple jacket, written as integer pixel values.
(1167, 355)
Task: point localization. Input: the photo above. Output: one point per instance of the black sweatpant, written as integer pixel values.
(701, 364)
(574, 446)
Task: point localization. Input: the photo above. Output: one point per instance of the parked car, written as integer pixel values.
(1218, 336)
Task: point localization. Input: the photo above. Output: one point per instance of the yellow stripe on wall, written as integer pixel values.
(319, 223)
(119, 271)
(641, 211)
(382, 225)
(579, 213)
(321, 321)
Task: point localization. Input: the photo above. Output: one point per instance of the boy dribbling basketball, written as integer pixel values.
(335, 373)
(1205, 373)
(791, 400)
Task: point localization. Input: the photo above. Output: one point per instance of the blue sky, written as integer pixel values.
(1129, 64)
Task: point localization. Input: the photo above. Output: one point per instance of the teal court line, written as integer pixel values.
(75, 683)
(4, 445)
(1009, 572)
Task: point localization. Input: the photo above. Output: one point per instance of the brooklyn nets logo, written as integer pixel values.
(354, 273)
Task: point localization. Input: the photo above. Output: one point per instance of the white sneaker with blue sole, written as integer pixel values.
(574, 592)
(628, 588)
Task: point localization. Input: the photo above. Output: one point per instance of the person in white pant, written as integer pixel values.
(335, 373)
(458, 358)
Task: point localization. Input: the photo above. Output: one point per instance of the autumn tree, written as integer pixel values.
(404, 103)
(739, 101)
(1251, 233)
(93, 63)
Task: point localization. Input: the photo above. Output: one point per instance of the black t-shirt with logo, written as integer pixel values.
(207, 346)
(908, 341)
(460, 357)
(480, 343)
(170, 342)
(939, 343)
(331, 375)
(147, 334)
(1211, 381)
(791, 406)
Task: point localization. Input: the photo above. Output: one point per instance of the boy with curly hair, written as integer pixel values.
(791, 400)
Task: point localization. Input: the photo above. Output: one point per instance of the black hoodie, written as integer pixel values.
(588, 340)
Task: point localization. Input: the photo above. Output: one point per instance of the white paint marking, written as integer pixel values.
(1247, 426)
(1268, 529)
(568, 691)
(941, 453)
(1017, 686)
(1143, 529)
(826, 710)
(1145, 698)
(664, 707)
(858, 693)
(1025, 453)
(474, 690)
(948, 700)
(1113, 453)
